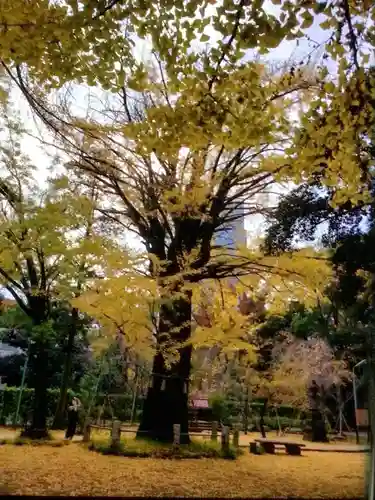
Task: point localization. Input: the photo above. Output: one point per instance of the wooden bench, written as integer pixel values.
(269, 446)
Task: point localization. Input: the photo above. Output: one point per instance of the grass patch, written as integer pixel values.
(142, 448)
(20, 441)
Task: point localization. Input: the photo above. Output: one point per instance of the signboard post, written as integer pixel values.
(361, 417)
(2, 389)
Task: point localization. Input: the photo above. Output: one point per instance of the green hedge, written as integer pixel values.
(272, 424)
(229, 411)
(9, 400)
(282, 410)
(121, 405)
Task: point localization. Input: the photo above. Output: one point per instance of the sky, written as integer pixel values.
(41, 156)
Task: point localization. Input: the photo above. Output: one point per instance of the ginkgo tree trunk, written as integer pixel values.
(167, 398)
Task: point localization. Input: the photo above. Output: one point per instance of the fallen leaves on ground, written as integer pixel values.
(73, 470)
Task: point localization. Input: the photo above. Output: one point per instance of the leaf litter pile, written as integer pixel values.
(74, 470)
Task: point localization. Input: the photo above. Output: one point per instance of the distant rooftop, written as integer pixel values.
(8, 350)
(6, 302)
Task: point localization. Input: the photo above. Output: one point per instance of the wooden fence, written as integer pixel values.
(117, 429)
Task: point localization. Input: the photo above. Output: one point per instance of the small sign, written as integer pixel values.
(361, 417)
(200, 403)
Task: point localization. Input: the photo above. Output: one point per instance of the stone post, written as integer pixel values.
(214, 431)
(225, 439)
(176, 435)
(116, 434)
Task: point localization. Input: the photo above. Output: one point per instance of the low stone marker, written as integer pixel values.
(214, 431)
(176, 435)
(115, 434)
(225, 439)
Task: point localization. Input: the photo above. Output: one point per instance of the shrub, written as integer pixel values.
(222, 408)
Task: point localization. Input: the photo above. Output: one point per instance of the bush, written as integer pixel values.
(222, 409)
(149, 449)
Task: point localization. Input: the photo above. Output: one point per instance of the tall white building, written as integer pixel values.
(234, 233)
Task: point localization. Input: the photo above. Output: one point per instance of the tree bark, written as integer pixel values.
(59, 419)
(318, 427)
(166, 402)
(39, 360)
(262, 415)
(246, 411)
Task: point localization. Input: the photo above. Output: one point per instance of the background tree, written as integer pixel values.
(16, 332)
(41, 260)
(303, 374)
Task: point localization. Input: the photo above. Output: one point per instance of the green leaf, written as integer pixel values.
(204, 38)
(326, 25)
(307, 20)
(329, 87)
(365, 58)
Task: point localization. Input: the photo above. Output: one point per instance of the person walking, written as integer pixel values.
(72, 418)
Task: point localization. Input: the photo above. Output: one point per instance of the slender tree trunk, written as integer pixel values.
(59, 420)
(246, 412)
(262, 415)
(167, 397)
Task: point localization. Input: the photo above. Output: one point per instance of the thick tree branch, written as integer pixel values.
(352, 36)
(10, 280)
(18, 299)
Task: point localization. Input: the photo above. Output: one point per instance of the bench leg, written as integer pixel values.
(293, 449)
(256, 448)
(269, 448)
